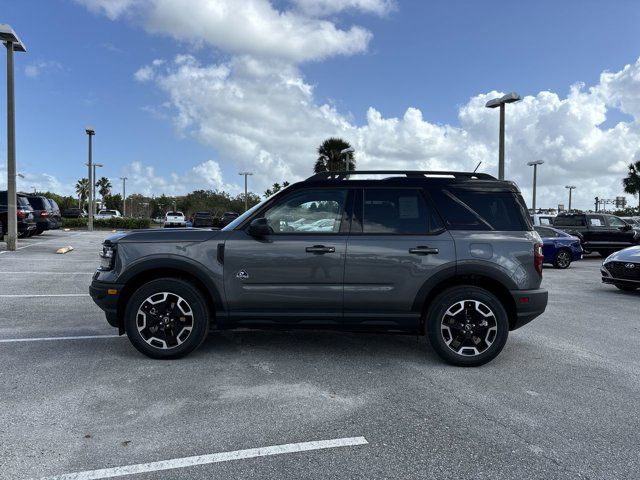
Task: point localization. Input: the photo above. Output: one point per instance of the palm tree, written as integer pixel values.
(631, 183)
(82, 190)
(104, 187)
(330, 158)
(275, 189)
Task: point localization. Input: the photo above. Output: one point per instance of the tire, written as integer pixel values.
(626, 288)
(159, 340)
(562, 259)
(485, 306)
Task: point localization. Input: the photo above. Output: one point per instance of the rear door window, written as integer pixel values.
(569, 221)
(397, 211)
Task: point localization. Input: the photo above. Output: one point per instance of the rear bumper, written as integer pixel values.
(103, 296)
(529, 304)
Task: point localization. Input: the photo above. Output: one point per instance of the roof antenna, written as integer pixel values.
(475, 169)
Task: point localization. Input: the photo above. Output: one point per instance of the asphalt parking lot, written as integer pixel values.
(561, 401)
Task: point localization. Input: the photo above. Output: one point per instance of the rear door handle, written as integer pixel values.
(320, 249)
(422, 250)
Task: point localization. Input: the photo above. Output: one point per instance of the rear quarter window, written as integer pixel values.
(569, 221)
(482, 210)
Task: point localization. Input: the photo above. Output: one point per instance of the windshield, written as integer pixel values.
(244, 216)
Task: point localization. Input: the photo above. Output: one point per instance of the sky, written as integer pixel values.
(185, 94)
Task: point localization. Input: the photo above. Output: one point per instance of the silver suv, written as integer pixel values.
(449, 255)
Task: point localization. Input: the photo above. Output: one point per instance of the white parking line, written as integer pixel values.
(46, 339)
(47, 295)
(49, 273)
(208, 459)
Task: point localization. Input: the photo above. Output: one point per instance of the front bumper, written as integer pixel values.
(106, 295)
(529, 304)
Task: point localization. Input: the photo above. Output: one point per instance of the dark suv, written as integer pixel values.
(445, 254)
(43, 213)
(599, 232)
(24, 215)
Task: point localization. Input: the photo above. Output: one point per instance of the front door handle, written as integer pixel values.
(320, 249)
(422, 250)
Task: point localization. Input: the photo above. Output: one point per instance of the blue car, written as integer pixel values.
(559, 248)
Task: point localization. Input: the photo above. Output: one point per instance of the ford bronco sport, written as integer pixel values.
(449, 255)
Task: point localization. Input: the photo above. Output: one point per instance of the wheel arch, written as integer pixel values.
(183, 269)
(488, 280)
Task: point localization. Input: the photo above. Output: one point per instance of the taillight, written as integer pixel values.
(44, 214)
(21, 214)
(538, 257)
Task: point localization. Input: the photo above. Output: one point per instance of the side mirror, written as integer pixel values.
(626, 228)
(259, 227)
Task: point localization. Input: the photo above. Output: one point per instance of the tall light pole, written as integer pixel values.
(570, 187)
(535, 164)
(124, 196)
(90, 132)
(346, 152)
(246, 200)
(13, 44)
(94, 184)
(501, 102)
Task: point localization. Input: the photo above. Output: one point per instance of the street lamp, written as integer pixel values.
(124, 196)
(90, 132)
(246, 200)
(501, 102)
(535, 164)
(570, 187)
(346, 152)
(13, 44)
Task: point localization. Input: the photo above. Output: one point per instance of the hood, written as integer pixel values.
(163, 235)
(629, 254)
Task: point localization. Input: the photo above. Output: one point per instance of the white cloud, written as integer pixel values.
(259, 113)
(251, 27)
(263, 116)
(206, 176)
(330, 7)
(35, 69)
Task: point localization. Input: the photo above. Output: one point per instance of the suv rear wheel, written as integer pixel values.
(166, 318)
(467, 326)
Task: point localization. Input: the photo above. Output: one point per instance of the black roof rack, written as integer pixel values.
(345, 175)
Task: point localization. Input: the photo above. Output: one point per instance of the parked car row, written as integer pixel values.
(198, 220)
(34, 213)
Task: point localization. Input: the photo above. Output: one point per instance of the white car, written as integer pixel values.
(174, 219)
(108, 214)
(542, 219)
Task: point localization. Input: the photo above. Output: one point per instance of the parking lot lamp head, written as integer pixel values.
(501, 102)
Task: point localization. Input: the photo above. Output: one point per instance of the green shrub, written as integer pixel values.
(122, 223)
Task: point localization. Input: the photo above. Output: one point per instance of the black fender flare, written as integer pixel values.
(177, 263)
(467, 268)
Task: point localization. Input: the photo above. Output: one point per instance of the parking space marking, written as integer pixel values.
(46, 339)
(50, 273)
(211, 458)
(28, 295)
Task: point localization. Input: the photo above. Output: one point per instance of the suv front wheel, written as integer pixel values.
(166, 318)
(467, 326)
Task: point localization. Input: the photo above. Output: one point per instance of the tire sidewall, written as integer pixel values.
(443, 302)
(191, 295)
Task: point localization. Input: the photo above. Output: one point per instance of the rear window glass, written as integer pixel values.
(38, 203)
(569, 221)
(482, 210)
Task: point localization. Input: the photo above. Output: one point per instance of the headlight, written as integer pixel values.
(107, 257)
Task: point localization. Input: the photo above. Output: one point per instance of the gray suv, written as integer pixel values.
(449, 255)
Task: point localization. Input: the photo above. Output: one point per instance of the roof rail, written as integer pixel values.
(344, 175)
